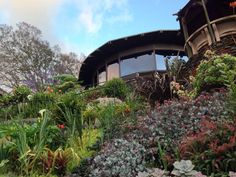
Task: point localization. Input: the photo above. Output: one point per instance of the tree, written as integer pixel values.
(27, 59)
(69, 64)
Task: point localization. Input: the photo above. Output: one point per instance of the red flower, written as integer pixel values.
(232, 4)
(61, 126)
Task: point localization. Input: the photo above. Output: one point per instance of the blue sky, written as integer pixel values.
(84, 25)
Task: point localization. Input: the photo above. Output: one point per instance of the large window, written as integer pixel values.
(161, 62)
(141, 63)
(113, 71)
(102, 77)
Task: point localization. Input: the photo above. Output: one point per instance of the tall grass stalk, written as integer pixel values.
(73, 121)
(162, 154)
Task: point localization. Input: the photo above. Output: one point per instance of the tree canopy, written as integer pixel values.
(25, 58)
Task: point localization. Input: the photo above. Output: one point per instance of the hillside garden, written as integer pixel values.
(112, 131)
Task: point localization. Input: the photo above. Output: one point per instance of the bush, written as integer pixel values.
(116, 88)
(36, 102)
(215, 72)
(65, 78)
(18, 95)
(66, 86)
(232, 100)
(92, 94)
(70, 100)
(212, 149)
(14, 103)
(119, 158)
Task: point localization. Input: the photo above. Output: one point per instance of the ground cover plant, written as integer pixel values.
(111, 131)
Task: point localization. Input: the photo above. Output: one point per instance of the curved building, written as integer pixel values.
(142, 53)
(204, 24)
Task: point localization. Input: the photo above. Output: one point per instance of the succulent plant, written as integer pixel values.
(169, 123)
(119, 158)
(155, 172)
(183, 168)
(232, 174)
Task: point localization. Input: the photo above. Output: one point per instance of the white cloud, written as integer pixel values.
(93, 14)
(89, 17)
(39, 13)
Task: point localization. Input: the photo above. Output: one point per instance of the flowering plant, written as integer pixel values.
(61, 126)
(232, 4)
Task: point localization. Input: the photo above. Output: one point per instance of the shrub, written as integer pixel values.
(65, 78)
(66, 86)
(55, 161)
(65, 83)
(175, 119)
(119, 158)
(215, 72)
(43, 98)
(170, 122)
(232, 101)
(18, 95)
(212, 149)
(154, 89)
(70, 100)
(116, 88)
(92, 94)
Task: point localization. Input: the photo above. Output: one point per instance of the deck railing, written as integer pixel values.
(222, 27)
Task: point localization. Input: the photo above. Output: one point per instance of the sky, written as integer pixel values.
(81, 26)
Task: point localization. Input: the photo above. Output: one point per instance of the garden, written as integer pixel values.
(115, 130)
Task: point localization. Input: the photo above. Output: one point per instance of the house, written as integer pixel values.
(204, 24)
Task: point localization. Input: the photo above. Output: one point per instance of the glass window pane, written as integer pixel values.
(160, 61)
(102, 78)
(143, 63)
(113, 71)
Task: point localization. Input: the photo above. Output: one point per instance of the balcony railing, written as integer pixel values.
(222, 27)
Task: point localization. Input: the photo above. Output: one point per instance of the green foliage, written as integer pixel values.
(116, 88)
(66, 86)
(43, 98)
(65, 78)
(232, 101)
(90, 115)
(55, 161)
(38, 101)
(212, 149)
(70, 100)
(30, 106)
(73, 122)
(19, 95)
(66, 83)
(90, 143)
(217, 71)
(92, 94)
(26, 143)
